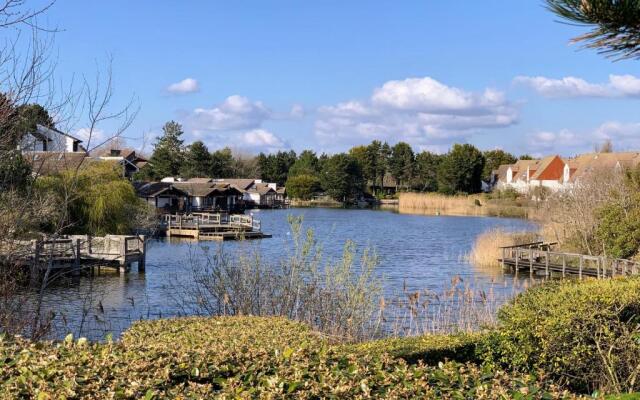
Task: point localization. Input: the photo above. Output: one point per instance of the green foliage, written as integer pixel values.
(167, 157)
(15, 171)
(197, 161)
(402, 163)
(97, 198)
(222, 164)
(426, 177)
(341, 177)
(303, 186)
(615, 24)
(583, 334)
(461, 170)
(239, 357)
(275, 167)
(619, 228)
(306, 164)
(494, 159)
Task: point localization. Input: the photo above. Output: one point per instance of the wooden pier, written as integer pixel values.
(538, 259)
(208, 226)
(74, 253)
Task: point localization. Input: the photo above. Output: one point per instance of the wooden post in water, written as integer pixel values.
(517, 256)
(502, 260)
(564, 265)
(123, 255)
(143, 257)
(34, 271)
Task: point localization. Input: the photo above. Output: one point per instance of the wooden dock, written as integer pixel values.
(76, 253)
(210, 226)
(538, 259)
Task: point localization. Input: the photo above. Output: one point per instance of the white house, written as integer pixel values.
(50, 140)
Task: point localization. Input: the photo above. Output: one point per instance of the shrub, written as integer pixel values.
(239, 357)
(583, 334)
(303, 187)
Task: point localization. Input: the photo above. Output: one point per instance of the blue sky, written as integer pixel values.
(267, 75)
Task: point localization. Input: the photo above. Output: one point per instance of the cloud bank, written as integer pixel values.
(572, 87)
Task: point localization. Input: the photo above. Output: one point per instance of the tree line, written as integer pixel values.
(344, 176)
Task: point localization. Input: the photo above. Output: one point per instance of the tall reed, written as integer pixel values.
(486, 249)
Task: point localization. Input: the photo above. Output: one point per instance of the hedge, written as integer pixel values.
(245, 357)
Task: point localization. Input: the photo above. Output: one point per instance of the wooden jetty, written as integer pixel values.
(212, 226)
(537, 258)
(75, 253)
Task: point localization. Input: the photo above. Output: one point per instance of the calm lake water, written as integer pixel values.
(416, 253)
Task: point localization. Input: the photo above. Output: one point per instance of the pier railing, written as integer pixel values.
(196, 220)
(538, 257)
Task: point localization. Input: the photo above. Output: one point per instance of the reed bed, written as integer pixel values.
(461, 205)
(458, 308)
(486, 249)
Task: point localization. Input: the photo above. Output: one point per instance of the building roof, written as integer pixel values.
(501, 172)
(47, 131)
(49, 162)
(549, 168)
(199, 180)
(586, 163)
(241, 184)
(281, 190)
(263, 188)
(206, 189)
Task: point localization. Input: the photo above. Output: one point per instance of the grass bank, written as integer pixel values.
(486, 249)
(462, 205)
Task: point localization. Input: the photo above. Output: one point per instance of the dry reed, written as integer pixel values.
(461, 205)
(486, 249)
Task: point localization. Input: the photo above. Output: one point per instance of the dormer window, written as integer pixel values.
(115, 153)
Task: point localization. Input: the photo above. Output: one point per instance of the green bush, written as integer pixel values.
(585, 335)
(240, 357)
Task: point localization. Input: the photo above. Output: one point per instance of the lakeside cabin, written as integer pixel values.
(186, 197)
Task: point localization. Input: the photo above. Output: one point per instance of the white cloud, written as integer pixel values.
(421, 111)
(90, 137)
(624, 137)
(261, 140)
(187, 85)
(618, 86)
(234, 113)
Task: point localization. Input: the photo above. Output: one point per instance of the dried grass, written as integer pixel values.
(461, 205)
(486, 249)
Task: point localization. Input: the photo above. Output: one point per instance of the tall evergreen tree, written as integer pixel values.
(461, 170)
(197, 161)
(341, 177)
(167, 156)
(306, 164)
(275, 167)
(222, 164)
(426, 177)
(402, 163)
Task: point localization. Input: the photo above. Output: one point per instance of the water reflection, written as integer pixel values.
(417, 254)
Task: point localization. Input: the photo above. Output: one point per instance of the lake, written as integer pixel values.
(416, 253)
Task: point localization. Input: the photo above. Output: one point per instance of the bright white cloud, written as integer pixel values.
(188, 85)
(618, 86)
(624, 137)
(90, 137)
(261, 140)
(234, 113)
(428, 95)
(421, 111)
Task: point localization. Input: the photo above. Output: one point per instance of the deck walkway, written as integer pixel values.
(538, 259)
(207, 226)
(75, 253)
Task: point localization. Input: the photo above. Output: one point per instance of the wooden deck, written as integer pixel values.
(75, 253)
(206, 226)
(539, 259)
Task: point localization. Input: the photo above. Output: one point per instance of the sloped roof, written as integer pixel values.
(199, 180)
(50, 162)
(501, 172)
(44, 130)
(151, 189)
(241, 184)
(263, 188)
(585, 163)
(549, 168)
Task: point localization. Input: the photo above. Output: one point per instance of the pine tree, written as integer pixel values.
(222, 164)
(197, 161)
(168, 154)
(402, 163)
